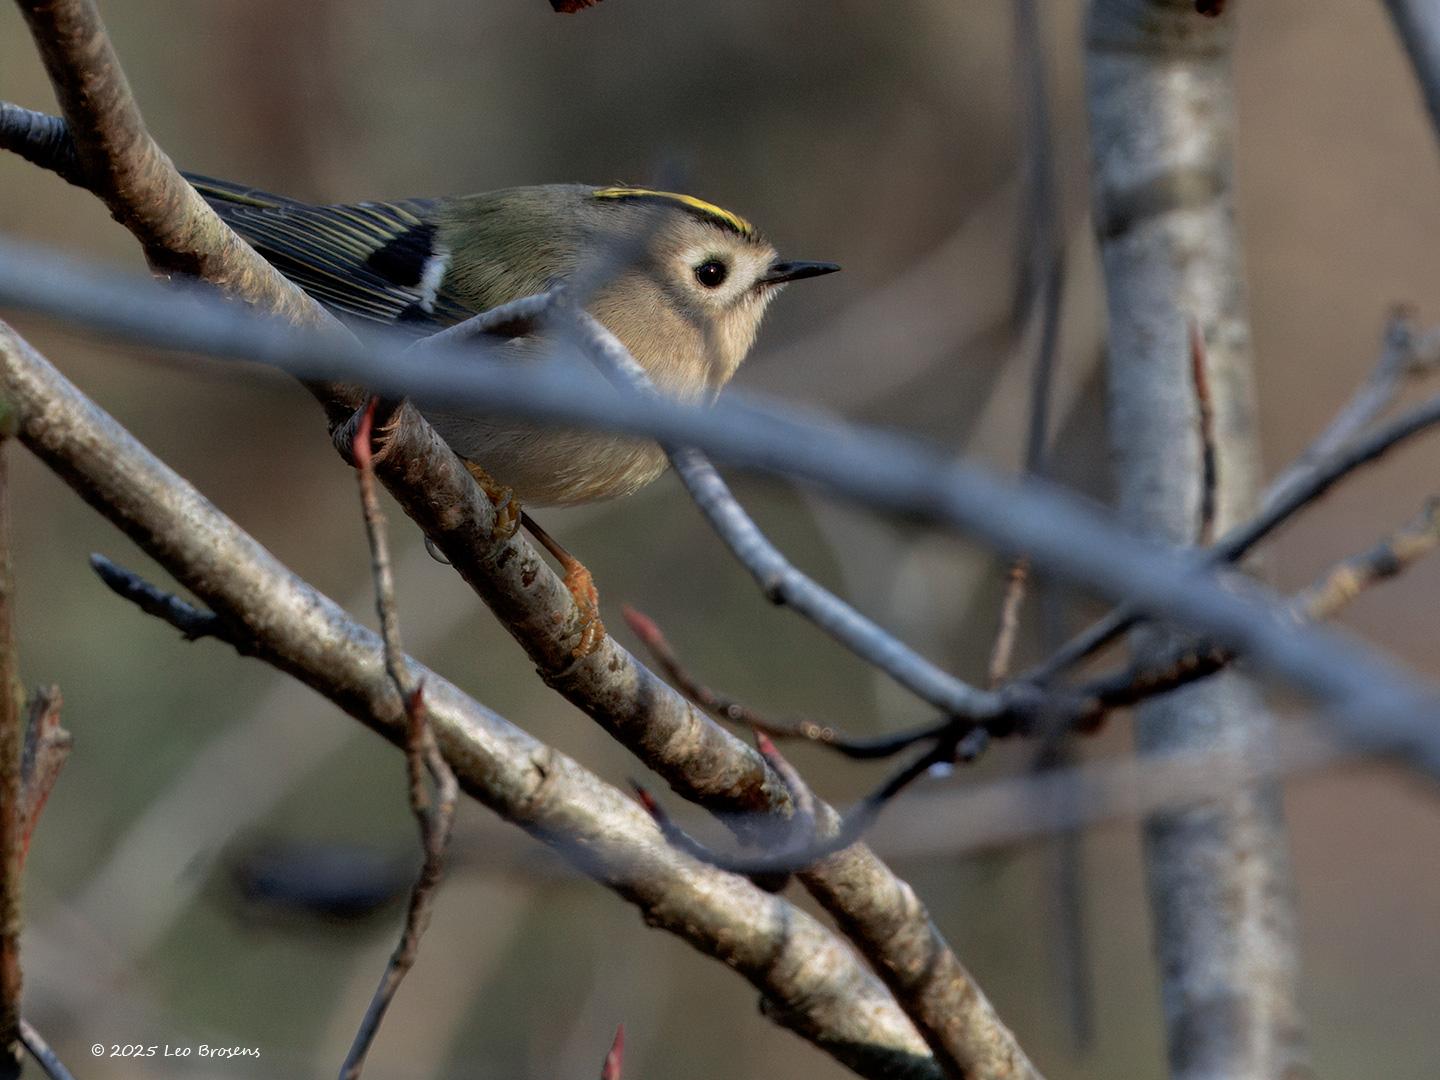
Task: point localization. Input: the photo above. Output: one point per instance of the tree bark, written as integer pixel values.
(1161, 102)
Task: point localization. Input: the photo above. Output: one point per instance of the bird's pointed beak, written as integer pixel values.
(781, 272)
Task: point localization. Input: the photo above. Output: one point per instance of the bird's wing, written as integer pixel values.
(376, 261)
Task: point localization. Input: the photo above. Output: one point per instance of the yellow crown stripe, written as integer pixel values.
(700, 206)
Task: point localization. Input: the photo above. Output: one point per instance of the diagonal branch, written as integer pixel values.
(115, 157)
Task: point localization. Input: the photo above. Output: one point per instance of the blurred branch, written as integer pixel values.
(992, 815)
(1161, 104)
(44, 1056)
(811, 982)
(421, 754)
(1417, 22)
(1369, 699)
(12, 782)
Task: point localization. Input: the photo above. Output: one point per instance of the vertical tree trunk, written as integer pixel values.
(1161, 103)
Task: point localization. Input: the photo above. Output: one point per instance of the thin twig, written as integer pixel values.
(1322, 600)
(40, 1050)
(802, 850)
(1003, 650)
(1042, 258)
(1047, 262)
(194, 623)
(726, 708)
(1391, 556)
(421, 753)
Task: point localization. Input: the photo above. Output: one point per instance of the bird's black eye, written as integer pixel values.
(712, 273)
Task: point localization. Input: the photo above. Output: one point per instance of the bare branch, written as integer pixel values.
(1418, 24)
(192, 622)
(44, 1056)
(123, 165)
(1391, 556)
(1003, 649)
(42, 140)
(723, 707)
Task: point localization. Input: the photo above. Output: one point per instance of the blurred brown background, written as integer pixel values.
(885, 137)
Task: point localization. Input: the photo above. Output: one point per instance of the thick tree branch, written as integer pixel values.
(123, 165)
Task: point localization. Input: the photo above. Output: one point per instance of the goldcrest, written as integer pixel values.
(686, 289)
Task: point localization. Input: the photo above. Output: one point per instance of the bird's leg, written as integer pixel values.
(581, 585)
(507, 506)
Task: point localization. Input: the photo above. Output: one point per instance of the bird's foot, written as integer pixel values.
(587, 598)
(581, 584)
(502, 497)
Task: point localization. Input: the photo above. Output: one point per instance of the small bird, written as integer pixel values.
(682, 283)
(685, 288)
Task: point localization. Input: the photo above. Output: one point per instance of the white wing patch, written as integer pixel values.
(431, 277)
